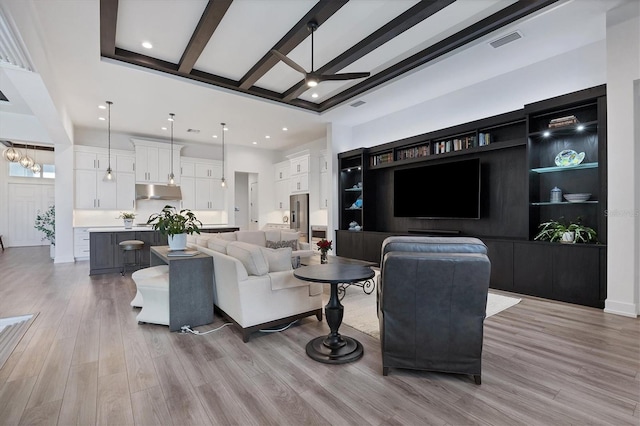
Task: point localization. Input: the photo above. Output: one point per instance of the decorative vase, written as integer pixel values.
(323, 257)
(177, 242)
(128, 223)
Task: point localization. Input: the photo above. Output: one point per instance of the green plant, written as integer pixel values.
(46, 222)
(126, 215)
(172, 222)
(553, 230)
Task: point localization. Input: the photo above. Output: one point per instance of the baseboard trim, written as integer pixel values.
(621, 308)
(64, 259)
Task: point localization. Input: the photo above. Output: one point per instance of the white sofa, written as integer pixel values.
(254, 286)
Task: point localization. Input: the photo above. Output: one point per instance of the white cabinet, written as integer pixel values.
(125, 163)
(188, 189)
(324, 190)
(81, 243)
(299, 173)
(91, 161)
(209, 194)
(153, 161)
(125, 191)
(208, 170)
(92, 192)
(187, 167)
(323, 162)
(281, 185)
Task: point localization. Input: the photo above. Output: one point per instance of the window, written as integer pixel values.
(48, 171)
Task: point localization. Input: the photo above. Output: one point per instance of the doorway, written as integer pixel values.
(25, 202)
(246, 207)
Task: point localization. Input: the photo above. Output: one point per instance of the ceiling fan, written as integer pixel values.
(313, 78)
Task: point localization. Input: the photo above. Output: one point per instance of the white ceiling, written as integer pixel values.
(69, 33)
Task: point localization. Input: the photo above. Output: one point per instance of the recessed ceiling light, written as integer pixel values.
(314, 95)
(101, 118)
(225, 128)
(255, 143)
(215, 136)
(102, 107)
(267, 137)
(284, 129)
(147, 45)
(163, 128)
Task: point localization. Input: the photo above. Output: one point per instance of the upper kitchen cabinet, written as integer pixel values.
(299, 172)
(154, 161)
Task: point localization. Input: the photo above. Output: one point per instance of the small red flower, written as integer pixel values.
(324, 245)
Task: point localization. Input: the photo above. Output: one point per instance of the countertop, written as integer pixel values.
(144, 228)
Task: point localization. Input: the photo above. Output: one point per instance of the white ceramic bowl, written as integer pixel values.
(577, 198)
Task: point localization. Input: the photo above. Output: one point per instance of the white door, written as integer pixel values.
(25, 202)
(253, 222)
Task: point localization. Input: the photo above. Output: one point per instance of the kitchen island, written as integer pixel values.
(105, 256)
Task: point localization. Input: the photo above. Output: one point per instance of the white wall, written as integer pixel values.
(623, 109)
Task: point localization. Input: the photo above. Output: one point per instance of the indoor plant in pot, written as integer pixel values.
(558, 231)
(176, 225)
(127, 218)
(46, 223)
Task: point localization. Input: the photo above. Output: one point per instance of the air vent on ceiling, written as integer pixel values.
(506, 39)
(193, 131)
(12, 48)
(357, 103)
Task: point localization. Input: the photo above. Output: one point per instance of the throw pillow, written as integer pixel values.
(292, 244)
(278, 259)
(250, 256)
(218, 244)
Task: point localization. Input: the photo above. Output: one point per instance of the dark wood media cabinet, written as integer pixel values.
(518, 171)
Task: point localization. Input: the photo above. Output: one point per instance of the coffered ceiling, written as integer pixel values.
(211, 62)
(229, 43)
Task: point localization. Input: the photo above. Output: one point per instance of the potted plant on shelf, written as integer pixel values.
(176, 225)
(574, 232)
(127, 218)
(324, 246)
(46, 223)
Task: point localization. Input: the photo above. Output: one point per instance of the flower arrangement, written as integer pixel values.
(324, 246)
(46, 223)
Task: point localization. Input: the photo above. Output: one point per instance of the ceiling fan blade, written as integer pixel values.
(344, 76)
(288, 61)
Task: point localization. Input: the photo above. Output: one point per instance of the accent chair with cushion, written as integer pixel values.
(432, 298)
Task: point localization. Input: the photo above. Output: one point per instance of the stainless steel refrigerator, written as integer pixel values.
(299, 205)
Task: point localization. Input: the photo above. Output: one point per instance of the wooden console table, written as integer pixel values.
(190, 287)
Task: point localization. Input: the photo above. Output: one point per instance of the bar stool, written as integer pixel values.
(130, 245)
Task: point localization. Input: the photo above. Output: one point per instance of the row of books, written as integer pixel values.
(440, 147)
(563, 121)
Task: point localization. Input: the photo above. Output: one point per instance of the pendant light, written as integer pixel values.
(26, 161)
(222, 182)
(172, 181)
(36, 168)
(110, 176)
(11, 154)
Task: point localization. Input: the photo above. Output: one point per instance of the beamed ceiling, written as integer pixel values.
(228, 43)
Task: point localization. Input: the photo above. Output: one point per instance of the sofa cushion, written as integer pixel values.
(229, 236)
(292, 244)
(278, 259)
(202, 240)
(218, 244)
(272, 234)
(252, 237)
(251, 257)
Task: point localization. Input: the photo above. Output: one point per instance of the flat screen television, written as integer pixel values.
(438, 191)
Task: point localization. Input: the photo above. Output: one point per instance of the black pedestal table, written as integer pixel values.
(334, 348)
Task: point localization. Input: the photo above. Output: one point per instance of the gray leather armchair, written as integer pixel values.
(432, 298)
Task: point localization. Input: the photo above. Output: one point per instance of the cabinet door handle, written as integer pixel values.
(98, 202)
(94, 164)
(98, 163)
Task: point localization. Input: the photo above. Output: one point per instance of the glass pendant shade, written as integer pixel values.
(172, 181)
(36, 168)
(26, 161)
(12, 155)
(109, 176)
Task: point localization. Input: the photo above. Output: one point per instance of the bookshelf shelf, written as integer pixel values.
(564, 168)
(547, 203)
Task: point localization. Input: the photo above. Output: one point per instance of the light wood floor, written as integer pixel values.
(85, 360)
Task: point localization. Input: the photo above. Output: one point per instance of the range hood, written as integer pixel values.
(158, 192)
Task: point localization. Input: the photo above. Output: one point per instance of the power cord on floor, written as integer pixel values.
(278, 329)
(188, 329)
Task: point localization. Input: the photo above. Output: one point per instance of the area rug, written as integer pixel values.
(11, 331)
(360, 309)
